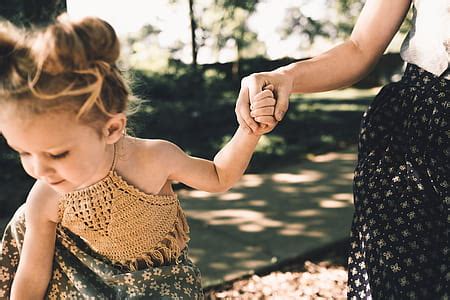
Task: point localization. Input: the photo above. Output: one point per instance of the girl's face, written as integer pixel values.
(58, 150)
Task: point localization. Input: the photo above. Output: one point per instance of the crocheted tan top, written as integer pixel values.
(124, 224)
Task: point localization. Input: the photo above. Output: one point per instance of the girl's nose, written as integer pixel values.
(42, 168)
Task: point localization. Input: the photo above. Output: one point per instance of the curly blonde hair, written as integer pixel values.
(69, 65)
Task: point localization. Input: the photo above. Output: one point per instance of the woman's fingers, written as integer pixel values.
(282, 104)
(242, 111)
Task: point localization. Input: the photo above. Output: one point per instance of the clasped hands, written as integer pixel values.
(263, 100)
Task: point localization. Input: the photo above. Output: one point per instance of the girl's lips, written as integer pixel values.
(56, 182)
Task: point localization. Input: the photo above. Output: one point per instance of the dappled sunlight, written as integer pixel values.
(240, 254)
(231, 196)
(348, 197)
(257, 203)
(252, 264)
(305, 106)
(305, 213)
(332, 204)
(348, 176)
(250, 181)
(318, 189)
(304, 176)
(272, 216)
(293, 229)
(251, 227)
(287, 189)
(197, 194)
(314, 233)
(344, 94)
(234, 217)
(332, 156)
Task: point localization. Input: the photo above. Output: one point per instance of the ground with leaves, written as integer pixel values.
(322, 276)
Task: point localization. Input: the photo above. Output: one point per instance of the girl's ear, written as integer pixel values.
(114, 128)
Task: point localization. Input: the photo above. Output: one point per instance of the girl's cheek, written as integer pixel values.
(27, 167)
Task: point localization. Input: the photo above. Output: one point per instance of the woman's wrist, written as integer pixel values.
(289, 72)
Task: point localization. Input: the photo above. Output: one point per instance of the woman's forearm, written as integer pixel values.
(339, 67)
(348, 62)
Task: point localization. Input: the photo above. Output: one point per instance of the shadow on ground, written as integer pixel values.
(268, 218)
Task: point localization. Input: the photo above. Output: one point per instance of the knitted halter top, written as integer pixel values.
(124, 224)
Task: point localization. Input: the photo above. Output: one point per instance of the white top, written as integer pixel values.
(427, 44)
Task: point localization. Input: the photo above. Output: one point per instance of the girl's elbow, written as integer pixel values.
(222, 185)
(220, 188)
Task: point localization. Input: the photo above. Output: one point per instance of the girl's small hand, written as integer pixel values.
(262, 109)
(253, 84)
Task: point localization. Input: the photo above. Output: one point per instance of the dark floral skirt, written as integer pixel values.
(80, 273)
(400, 231)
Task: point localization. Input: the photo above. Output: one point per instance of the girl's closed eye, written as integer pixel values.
(60, 156)
(53, 156)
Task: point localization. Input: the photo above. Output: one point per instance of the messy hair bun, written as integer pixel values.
(75, 45)
(68, 62)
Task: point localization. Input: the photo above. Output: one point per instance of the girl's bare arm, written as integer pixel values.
(36, 258)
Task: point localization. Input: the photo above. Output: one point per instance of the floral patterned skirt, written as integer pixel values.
(400, 231)
(80, 273)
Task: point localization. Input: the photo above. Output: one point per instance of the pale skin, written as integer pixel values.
(53, 149)
(339, 67)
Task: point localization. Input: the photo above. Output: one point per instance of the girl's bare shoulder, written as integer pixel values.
(42, 203)
(145, 163)
(152, 150)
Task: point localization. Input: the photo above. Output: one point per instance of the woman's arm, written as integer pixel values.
(36, 258)
(341, 66)
(350, 61)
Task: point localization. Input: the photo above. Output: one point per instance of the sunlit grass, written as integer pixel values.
(350, 99)
(348, 93)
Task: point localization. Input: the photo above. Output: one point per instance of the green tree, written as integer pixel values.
(31, 12)
(220, 23)
(193, 29)
(225, 24)
(338, 22)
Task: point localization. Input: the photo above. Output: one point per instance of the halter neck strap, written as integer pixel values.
(113, 166)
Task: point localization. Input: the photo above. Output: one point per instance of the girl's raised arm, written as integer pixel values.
(228, 165)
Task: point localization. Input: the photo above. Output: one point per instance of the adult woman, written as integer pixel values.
(399, 237)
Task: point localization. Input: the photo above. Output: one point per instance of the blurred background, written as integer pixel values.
(186, 58)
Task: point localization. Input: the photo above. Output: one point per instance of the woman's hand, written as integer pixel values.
(280, 83)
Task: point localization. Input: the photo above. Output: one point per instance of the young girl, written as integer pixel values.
(102, 220)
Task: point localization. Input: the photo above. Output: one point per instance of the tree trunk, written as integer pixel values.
(31, 12)
(193, 28)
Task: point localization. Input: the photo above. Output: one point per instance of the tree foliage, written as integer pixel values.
(220, 23)
(31, 12)
(336, 24)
